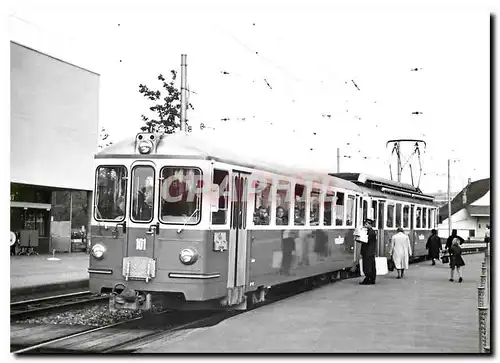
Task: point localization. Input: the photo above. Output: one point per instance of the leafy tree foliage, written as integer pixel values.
(167, 107)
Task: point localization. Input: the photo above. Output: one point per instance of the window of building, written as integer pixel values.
(339, 209)
(180, 195)
(472, 233)
(220, 194)
(314, 207)
(262, 204)
(110, 193)
(350, 210)
(328, 208)
(283, 194)
(300, 205)
(390, 216)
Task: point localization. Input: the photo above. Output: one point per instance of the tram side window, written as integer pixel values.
(424, 217)
(299, 218)
(221, 192)
(406, 216)
(339, 209)
(181, 195)
(283, 203)
(390, 216)
(374, 213)
(365, 210)
(350, 210)
(110, 193)
(328, 208)
(262, 205)
(418, 217)
(432, 217)
(398, 215)
(314, 207)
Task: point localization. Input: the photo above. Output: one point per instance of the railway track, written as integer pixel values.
(21, 309)
(121, 337)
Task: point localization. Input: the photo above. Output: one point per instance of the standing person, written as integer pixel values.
(449, 241)
(368, 251)
(400, 251)
(434, 246)
(487, 234)
(456, 260)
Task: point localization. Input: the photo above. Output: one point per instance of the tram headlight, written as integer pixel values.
(188, 256)
(98, 251)
(145, 147)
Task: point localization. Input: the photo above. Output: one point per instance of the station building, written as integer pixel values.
(470, 211)
(54, 135)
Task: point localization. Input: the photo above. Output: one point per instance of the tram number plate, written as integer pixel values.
(140, 244)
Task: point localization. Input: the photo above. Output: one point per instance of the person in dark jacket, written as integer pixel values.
(449, 241)
(434, 246)
(368, 251)
(456, 260)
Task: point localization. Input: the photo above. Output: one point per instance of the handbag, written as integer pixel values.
(390, 264)
(445, 259)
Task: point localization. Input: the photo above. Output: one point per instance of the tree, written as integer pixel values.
(167, 108)
(104, 139)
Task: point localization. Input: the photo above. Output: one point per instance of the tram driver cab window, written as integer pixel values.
(220, 183)
(181, 195)
(142, 193)
(111, 191)
(262, 204)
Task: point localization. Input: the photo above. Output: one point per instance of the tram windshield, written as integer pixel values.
(111, 191)
(180, 195)
(142, 193)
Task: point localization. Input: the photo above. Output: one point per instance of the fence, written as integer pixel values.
(483, 305)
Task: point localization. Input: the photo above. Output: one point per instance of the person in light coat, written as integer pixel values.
(400, 251)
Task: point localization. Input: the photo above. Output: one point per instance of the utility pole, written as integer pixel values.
(338, 160)
(183, 93)
(449, 199)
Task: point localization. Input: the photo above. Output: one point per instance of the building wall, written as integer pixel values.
(54, 121)
(463, 223)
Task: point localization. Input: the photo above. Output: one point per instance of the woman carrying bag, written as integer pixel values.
(400, 251)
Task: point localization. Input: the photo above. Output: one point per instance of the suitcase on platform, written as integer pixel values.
(380, 266)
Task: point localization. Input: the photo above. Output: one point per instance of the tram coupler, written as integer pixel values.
(129, 299)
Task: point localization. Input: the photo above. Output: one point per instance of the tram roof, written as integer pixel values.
(382, 184)
(206, 146)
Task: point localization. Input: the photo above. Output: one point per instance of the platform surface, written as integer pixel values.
(421, 313)
(35, 271)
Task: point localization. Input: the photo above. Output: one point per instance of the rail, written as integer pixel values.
(483, 303)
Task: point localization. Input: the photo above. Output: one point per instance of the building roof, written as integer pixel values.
(57, 59)
(474, 191)
(479, 210)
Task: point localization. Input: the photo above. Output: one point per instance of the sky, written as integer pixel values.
(317, 77)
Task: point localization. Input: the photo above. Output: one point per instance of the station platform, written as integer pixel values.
(421, 313)
(37, 273)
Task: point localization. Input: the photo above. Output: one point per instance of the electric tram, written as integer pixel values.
(185, 219)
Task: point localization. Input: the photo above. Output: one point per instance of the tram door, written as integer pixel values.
(236, 277)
